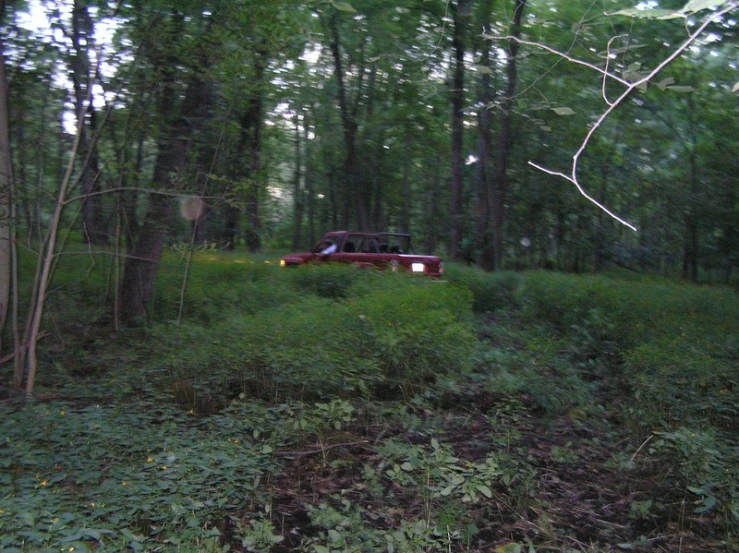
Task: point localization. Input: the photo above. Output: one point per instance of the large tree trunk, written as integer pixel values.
(174, 146)
(250, 142)
(505, 140)
(354, 197)
(456, 215)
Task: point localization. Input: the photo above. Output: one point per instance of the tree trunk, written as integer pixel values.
(505, 140)
(354, 198)
(690, 238)
(174, 145)
(405, 202)
(93, 230)
(250, 142)
(485, 250)
(231, 227)
(6, 197)
(433, 209)
(456, 215)
(298, 195)
(599, 236)
(309, 185)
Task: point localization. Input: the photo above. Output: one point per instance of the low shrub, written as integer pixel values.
(699, 465)
(322, 348)
(217, 285)
(676, 382)
(331, 281)
(490, 291)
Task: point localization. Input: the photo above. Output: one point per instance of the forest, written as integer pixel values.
(569, 384)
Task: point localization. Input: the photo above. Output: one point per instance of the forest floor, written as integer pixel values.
(384, 471)
(576, 498)
(178, 439)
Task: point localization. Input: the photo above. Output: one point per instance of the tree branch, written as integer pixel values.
(630, 87)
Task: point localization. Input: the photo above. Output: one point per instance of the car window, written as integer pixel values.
(354, 243)
(369, 245)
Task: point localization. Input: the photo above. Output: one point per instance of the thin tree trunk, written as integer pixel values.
(6, 198)
(505, 140)
(44, 268)
(298, 196)
(432, 235)
(485, 248)
(456, 215)
(309, 185)
(690, 238)
(93, 232)
(599, 238)
(405, 202)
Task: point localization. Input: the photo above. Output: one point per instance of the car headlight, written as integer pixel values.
(282, 263)
(418, 267)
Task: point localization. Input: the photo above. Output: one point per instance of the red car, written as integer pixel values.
(368, 249)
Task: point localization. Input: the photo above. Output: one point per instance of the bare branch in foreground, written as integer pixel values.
(630, 86)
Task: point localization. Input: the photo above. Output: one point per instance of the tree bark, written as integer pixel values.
(354, 197)
(175, 142)
(456, 215)
(93, 227)
(405, 202)
(250, 142)
(485, 250)
(309, 184)
(5, 194)
(505, 140)
(690, 237)
(298, 194)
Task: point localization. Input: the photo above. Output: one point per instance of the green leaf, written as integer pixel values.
(698, 5)
(131, 536)
(681, 88)
(706, 505)
(344, 7)
(28, 518)
(564, 111)
(664, 83)
(484, 490)
(649, 14)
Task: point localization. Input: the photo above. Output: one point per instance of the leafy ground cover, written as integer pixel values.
(326, 410)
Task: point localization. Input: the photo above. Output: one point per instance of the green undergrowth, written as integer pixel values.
(386, 341)
(179, 435)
